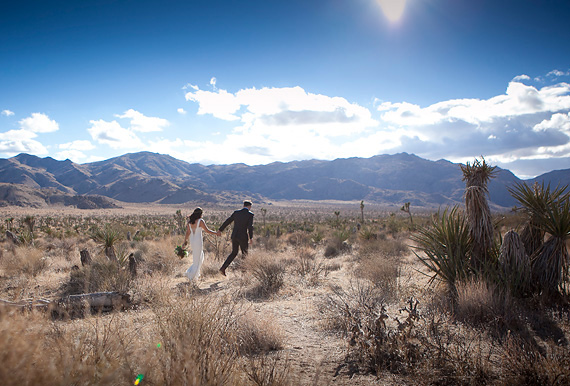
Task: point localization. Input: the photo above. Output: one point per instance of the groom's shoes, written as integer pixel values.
(223, 271)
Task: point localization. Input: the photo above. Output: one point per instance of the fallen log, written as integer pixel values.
(27, 304)
(74, 305)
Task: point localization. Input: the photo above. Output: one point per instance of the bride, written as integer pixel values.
(194, 229)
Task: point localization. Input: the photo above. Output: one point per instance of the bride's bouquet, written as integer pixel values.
(180, 251)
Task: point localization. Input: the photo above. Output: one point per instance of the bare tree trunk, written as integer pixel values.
(132, 265)
(85, 257)
(110, 253)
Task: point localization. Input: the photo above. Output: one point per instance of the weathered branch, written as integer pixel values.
(73, 304)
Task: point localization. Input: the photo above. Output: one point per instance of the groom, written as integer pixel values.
(242, 233)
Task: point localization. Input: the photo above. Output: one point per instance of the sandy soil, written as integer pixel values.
(315, 356)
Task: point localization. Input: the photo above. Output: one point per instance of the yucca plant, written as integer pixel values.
(535, 200)
(476, 177)
(447, 246)
(515, 264)
(551, 262)
(108, 237)
(548, 212)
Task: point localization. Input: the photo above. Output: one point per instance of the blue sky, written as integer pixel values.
(220, 82)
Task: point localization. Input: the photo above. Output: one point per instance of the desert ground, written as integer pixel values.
(329, 294)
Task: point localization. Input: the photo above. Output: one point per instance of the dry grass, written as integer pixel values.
(268, 271)
(246, 329)
(24, 260)
(480, 303)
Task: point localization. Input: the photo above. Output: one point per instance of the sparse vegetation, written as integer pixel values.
(320, 299)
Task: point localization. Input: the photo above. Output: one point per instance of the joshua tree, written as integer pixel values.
(180, 222)
(478, 213)
(263, 213)
(406, 208)
(30, 222)
(337, 214)
(362, 210)
(9, 223)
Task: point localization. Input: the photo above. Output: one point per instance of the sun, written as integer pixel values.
(393, 9)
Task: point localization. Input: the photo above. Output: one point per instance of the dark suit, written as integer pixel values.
(241, 234)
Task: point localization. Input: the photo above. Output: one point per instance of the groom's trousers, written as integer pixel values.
(237, 244)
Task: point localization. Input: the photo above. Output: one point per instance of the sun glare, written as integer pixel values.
(393, 9)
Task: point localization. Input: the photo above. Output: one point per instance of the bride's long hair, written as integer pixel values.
(195, 215)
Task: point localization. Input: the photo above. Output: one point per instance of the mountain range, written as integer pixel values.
(149, 177)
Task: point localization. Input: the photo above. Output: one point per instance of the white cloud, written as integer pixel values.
(77, 145)
(221, 104)
(7, 113)
(522, 77)
(142, 123)
(558, 73)
(39, 123)
(523, 123)
(279, 112)
(181, 111)
(112, 134)
(14, 142)
(213, 82)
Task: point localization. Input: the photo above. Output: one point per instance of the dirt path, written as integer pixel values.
(314, 356)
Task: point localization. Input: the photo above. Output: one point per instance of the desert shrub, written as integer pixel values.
(298, 238)
(385, 246)
(30, 337)
(267, 271)
(160, 258)
(203, 339)
(100, 276)
(525, 364)
(309, 267)
(268, 371)
(338, 244)
(341, 307)
(269, 243)
(383, 272)
(479, 303)
(196, 342)
(256, 335)
(368, 233)
(26, 260)
(374, 346)
(331, 251)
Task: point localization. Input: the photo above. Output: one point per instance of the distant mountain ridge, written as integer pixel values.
(150, 177)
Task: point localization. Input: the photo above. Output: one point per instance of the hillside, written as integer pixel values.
(150, 177)
(25, 196)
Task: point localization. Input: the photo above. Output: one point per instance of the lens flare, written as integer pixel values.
(393, 9)
(139, 379)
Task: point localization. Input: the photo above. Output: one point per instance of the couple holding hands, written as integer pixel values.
(242, 236)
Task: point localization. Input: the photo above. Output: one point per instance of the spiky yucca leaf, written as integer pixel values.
(535, 201)
(446, 245)
(108, 237)
(537, 198)
(478, 174)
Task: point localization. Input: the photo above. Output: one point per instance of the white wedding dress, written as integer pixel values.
(196, 243)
